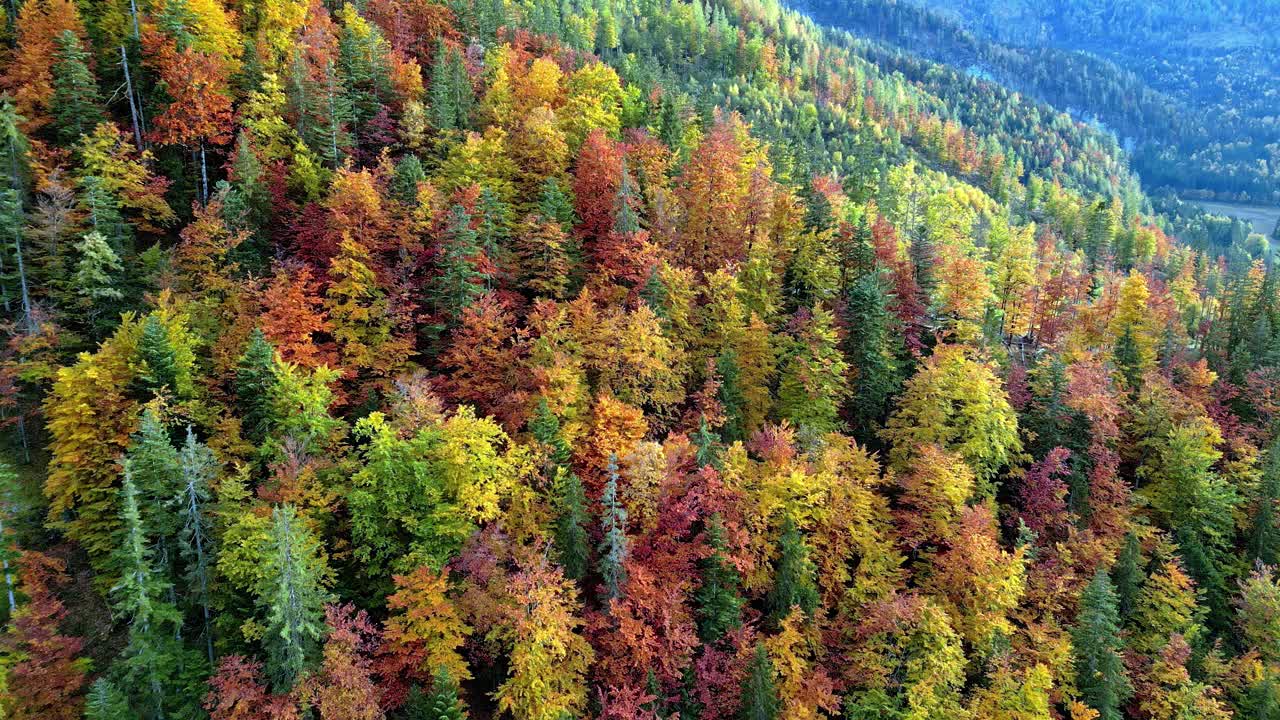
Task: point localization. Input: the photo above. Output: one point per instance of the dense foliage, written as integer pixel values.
(623, 359)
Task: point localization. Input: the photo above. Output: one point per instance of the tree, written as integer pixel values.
(759, 694)
(956, 402)
(813, 384)
(424, 634)
(451, 94)
(254, 381)
(719, 604)
(1128, 576)
(292, 596)
(44, 675)
(460, 281)
(871, 355)
(343, 689)
(793, 576)
(1166, 606)
(1264, 534)
(571, 541)
(1096, 648)
(549, 659)
(75, 105)
(195, 537)
(614, 545)
(29, 74)
(1259, 615)
(97, 280)
(107, 702)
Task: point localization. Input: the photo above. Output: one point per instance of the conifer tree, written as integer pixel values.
(157, 475)
(871, 356)
(293, 598)
(75, 106)
(571, 540)
(460, 282)
(155, 347)
(97, 281)
(255, 378)
(106, 702)
(195, 539)
(1264, 534)
(759, 692)
(719, 604)
(1128, 576)
(1096, 648)
(794, 581)
(451, 93)
(613, 546)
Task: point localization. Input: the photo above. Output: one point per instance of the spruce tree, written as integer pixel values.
(719, 604)
(97, 282)
(731, 396)
(293, 598)
(255, 379)
(794, 582)
(460, 282)
(613, 547)
(157, 473)
(443, 703)
(759, 694)
(75, 105)
(451, 93)
(1096, 650)
(545, 428)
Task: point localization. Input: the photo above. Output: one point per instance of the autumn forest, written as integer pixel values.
(617, 359)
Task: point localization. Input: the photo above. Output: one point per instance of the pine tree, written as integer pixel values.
(719, 604)
(255, 379)
(1096, 648)
(613, 547)
(759, 694)
(794, 581)
(293, 598)
(75, 106)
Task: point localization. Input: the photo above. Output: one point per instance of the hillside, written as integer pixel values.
(1190, 87)
(621, 359)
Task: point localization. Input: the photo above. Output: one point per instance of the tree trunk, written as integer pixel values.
(135, 109)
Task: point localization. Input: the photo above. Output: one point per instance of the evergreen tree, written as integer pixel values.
(731, 397)
(293, 598)
(157, 474)
(106, 702)
(1128, 576)
(155, 347)
(1264, 534)
(443, 703)
(247, 206)
(404, 184)
(1129, 360)
(613, 546)
(545, 428)
(75, 106)
(195, 539)
(759, 694)
(1096, 649)
(794, 581)
(459, 282)
(571, 540)
(451, 93)
(149, 661)
(871, 354)
(97, 281)
(254, 383)
(719, 604)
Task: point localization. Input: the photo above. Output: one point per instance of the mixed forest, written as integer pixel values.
(618, 359)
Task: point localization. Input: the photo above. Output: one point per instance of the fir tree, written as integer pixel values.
(571, 540)
(731, 396)
(1264, 534)
(293, 598)
(719, 604)
(255, 380)
(460, 282)
(1096, 649)
(195, 539)
(155, 347)
(106, 702)
(157, 475)
(759, 694)
(451, 93)
(794, 581)
(1128, 576)
(1129, 359)
(97, 280)
(868, 347)
(75, 105)
(613, 547)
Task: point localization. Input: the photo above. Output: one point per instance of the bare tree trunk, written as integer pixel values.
(204, 177)
(135, 107)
